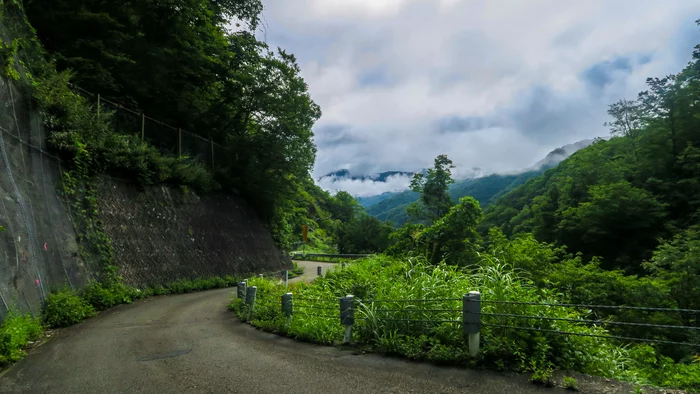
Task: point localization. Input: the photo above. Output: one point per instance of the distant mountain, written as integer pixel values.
(372, 200)
(560, 154)
(392, 206)
(483, 189)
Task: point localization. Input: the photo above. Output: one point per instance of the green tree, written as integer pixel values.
(344, 207)
(363, 234)
(454, 237)
(618, 218)
(407, 241)
(678, 262)
(435, 200)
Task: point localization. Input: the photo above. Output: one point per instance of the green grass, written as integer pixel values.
(297, 271)
(381, 328)
(16, 331)
(64, 308)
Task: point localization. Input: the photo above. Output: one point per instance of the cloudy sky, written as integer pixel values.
(494, 84)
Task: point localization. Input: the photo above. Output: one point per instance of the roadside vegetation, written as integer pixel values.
(316, 319)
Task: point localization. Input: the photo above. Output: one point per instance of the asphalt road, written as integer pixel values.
(191, 344)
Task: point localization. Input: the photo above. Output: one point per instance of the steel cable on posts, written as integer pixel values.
(589, 321)
(408, 301)
(316, 315)
(316, 299)
(437, 321)
(638, 308)
(416, 310)
(324, 308)
(590, 335)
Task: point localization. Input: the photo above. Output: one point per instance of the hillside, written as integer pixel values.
(617, 198)
(392, 206)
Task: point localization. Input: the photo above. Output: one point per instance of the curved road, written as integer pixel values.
(191, 344)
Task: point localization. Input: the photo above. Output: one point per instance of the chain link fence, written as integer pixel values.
(169, 140)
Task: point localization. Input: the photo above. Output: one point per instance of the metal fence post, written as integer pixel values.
(179, 142)
(241, 290)
(287, 306)
(286, 279)
(471, 320)
(319, 271)
(99, 101)
(250, 299)
(143, 126)
(347, 316)
(211, 142)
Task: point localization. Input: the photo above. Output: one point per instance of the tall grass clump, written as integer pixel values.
(16, 331)
(414, 309)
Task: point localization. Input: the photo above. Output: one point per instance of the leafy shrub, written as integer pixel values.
(188, 286)
(297, 271)
(570, 383)
(103, 296)
(15, 333)
(65, 308)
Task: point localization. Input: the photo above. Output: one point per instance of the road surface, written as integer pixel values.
(191, 344)
(311, 270)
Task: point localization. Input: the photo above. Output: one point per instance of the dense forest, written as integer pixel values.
(185, 64)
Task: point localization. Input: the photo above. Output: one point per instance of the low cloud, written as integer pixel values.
(493, 87)
(366, 187)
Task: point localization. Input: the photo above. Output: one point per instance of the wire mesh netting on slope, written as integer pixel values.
(38, 247)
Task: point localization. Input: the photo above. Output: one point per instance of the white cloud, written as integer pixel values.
(366, 187)
(388, 70)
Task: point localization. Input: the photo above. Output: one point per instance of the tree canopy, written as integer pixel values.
(183, 63)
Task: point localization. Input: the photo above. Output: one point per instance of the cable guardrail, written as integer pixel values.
(350, 309)
(590, 321)
(583, 334)
(327, 257)
(592, 306)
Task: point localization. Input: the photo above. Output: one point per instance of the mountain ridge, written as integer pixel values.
(391, 206)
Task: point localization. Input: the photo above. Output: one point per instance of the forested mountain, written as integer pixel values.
(392, 206)
(371, 200)
(618, 197)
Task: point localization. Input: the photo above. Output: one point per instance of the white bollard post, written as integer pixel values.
(241, 290)
(471, 320)
(347, 316)
(250, 300)
(287, 306)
